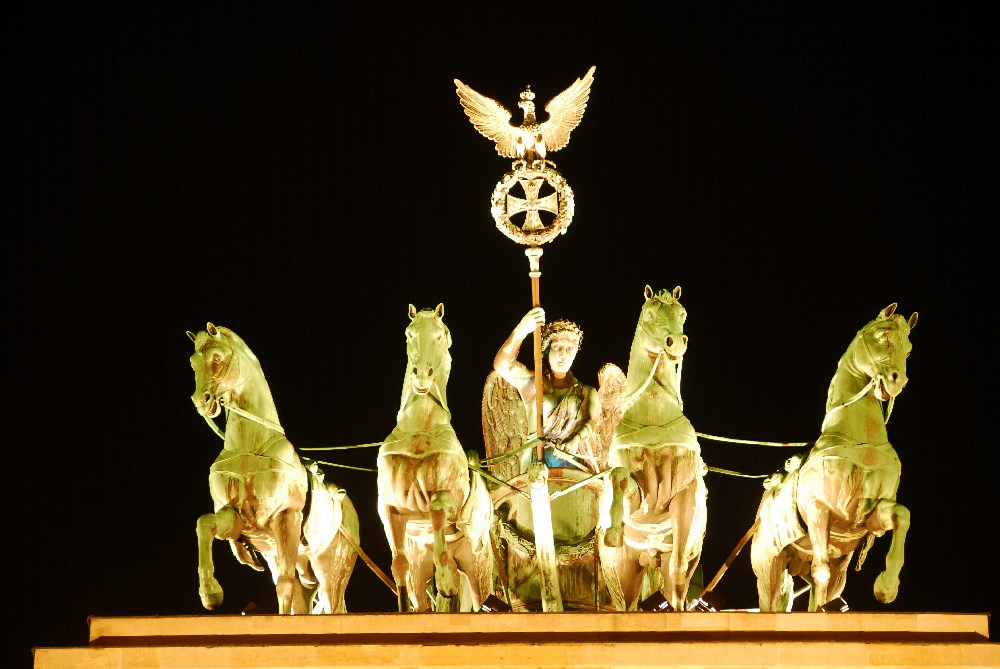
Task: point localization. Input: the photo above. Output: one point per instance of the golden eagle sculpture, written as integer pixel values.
(531, 140)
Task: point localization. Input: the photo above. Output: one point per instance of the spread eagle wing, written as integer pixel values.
(490, 118)
(565, 112)
(505, 425)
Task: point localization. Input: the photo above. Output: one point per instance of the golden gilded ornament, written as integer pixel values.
(556, 205)
(530, 140)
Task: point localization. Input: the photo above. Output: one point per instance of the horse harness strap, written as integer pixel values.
(245, 414)
(861, 393)
(866, 457)
(432, 396)
(215, 428)
(256, 419)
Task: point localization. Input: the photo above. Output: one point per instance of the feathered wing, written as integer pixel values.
(565, 112)
(505, 425)
(490, 118)
(611, 390)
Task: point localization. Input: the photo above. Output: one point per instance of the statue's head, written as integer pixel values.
(661, 323)
(427, 343)
(881, 350)
(561, 342)
(215, 372)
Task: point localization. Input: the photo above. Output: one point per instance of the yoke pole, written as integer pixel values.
(732, 556)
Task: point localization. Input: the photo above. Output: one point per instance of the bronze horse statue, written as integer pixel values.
(656, 543)
(268, 502)
(435, 515)
(812, 519)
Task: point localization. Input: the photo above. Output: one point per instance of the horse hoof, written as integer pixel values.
(886, 588)
(613, 537)
(211, 599)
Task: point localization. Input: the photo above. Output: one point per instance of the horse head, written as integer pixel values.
(427, 358)
(880, 351)
(216, 368)
(661, 324)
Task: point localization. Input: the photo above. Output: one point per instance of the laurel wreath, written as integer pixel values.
(560, 223)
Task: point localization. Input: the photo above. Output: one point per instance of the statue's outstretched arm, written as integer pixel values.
(505, 363)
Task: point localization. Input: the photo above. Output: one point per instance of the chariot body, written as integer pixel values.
(568, 520)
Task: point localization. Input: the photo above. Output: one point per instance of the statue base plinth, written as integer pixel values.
(576, 639)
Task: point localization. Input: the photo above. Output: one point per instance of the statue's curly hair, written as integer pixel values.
(556, 328)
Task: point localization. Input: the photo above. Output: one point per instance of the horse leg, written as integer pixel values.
(300, 600)
(817, 519)
(681, 517)
(838, 576)
(644, 472)
(629, 571)
(664, 491)
(224, 524)
(421, 571)
(311, 599)
(333, 569)
(620, 481)
(286, 528)
(467, 563)
(473, 552)
(774, 585)
(394, 524)
(446, 578)
(889, 515)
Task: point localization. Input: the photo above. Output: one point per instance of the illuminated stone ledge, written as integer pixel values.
(576, 640)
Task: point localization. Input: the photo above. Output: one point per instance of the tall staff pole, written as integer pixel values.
(529, 144)
(538, 474)
(534, 254)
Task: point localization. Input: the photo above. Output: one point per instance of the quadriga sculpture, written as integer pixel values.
(658, 467)
(846, 488)
(436, 516)
(267, 501)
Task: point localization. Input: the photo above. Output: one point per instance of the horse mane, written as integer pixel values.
(639, 364)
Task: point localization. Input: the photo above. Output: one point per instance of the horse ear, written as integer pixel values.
(677, 293)
(212, 330)
(192, 336)
(888, 311)
(439, 310)
(649, 292)
(412, 312)
(912, 323)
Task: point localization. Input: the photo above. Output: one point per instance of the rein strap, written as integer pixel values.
(251, 417)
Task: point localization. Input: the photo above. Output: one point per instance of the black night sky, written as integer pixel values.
(302, 175)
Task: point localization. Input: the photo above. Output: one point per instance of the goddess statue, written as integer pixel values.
(571, 409)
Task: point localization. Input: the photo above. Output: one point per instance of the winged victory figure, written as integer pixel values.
(531, 140)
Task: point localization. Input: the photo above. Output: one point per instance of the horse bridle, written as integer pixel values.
(878, 378)
(224, 404)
